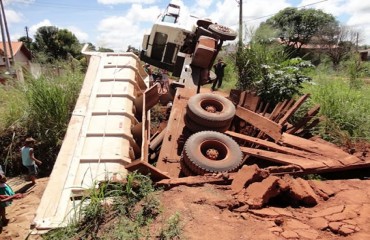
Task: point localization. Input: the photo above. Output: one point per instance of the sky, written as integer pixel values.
(116, 24)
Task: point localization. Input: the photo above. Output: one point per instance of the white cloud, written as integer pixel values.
(33, 28)
(8, 2)
(13, 16)
(113, 2)
(117, 32)
(81, 36)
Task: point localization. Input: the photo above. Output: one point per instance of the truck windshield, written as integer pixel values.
(169, 19)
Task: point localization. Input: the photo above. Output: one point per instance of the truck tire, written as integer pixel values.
(207, 109)
(211, 152)
(225, 33)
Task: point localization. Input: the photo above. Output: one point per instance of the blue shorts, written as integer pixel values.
(33, 170)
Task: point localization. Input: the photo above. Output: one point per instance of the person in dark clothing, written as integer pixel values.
(219, 70)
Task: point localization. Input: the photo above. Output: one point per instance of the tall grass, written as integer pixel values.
(346, 110)
(40, 108)
(13, 105)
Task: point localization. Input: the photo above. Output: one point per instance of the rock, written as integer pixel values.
(247, 175)
(334, 226)
(346, 230)
(321, 189)
(241, 209)
(307, 233)
(279, 221)
(319, 223)
(290, 235)
(276, 229)
(283, 212)
(259, 193)
(328, 211)
(295, 224)
(341, 216)
(301, 192)
(227, 204)
(265, 212)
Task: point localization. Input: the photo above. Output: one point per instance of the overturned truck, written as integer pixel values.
(109, 131)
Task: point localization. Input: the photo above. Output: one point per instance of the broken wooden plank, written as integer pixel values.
(285, 159)
(293, 109)
(267, 126)
(251, 101)
(329, 162)
(322, 149)
(305, 119)
(145, 169)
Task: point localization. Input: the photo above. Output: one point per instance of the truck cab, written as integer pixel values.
(169, 43)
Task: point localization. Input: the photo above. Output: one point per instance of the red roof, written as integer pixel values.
(16, 46)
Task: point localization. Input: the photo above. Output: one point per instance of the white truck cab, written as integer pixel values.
(168, 41)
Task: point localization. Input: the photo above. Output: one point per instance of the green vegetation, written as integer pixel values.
(345, 110)
(172, 229)
(123, 210)
(40, 108)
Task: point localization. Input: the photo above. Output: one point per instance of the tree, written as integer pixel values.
(53, 44)
(26, 40)
(337, 42)
(296, 27)
(103, 49)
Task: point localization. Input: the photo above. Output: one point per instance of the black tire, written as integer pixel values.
(199, 148)
(195, 127)
(225, 33)
(223, 110)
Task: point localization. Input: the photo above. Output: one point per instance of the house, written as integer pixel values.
(22, 56)
(365, 54)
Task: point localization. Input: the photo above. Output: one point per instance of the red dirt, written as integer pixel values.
(206, 213)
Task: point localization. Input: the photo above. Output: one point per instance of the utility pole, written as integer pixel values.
(7, 64)
(7, 31)
(240, 24)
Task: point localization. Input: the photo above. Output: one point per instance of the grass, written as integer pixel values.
(40, 108)
(172, 229)
(129, 213)
(345, 109)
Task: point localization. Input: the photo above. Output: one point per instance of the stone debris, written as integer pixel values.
(247, 175)
(252, 191)
(259, 195)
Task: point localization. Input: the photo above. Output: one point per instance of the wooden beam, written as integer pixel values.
(267, 126)
(285, 159)
(305, 119)
(319, 148)
(329, 162)
(145, 169)
(293, 109)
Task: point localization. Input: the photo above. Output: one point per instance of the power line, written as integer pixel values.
(266, 16)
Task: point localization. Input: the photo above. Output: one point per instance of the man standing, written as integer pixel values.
(219, 70)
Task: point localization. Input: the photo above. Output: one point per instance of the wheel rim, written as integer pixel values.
(223, 29)
(212, 106)
(214, 150)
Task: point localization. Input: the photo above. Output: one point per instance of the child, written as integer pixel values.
(29, 160)
(6, 196)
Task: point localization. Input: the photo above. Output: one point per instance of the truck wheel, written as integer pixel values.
(211, 152)
(225, 33)
(210, 110)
